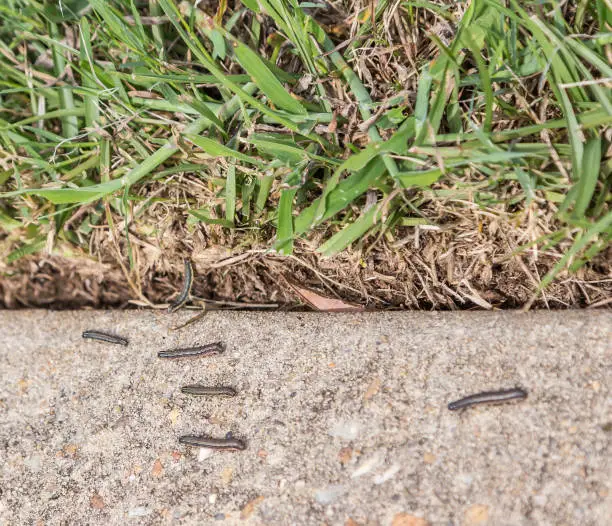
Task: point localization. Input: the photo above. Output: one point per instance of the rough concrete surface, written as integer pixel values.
(345, 418)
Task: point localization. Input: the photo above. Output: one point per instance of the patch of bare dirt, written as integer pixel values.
(458, 268)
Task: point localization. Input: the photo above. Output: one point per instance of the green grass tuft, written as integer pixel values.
(98, 98)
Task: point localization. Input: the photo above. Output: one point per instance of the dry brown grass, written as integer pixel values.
(470, 262)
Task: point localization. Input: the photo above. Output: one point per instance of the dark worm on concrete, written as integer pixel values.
(225, 444)
(490, 397)
(193, 352)
(202, 390)
(103, 337)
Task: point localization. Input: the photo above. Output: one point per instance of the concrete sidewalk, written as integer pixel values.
(344, 415)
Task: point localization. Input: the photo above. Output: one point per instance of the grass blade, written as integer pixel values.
(589, 174)
(338, 242)
(265, 79)
(284, 229)
(230, 194)
(215, 149)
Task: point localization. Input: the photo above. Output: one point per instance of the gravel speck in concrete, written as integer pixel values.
(330, 493)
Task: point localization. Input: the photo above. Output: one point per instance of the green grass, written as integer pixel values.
(95, 103)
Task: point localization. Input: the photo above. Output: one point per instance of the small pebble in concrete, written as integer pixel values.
(96, 501)
(406, 519)
(476, 514)
(204, 453)
(347, 429)
(368, 465)
(34, 463)
(140, 511)
(387, 474)
(330, 493)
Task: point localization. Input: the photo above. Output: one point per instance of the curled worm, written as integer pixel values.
(490, 397)
(185, 293)
(103, 337)
(192, 352)
(226, 444)
(202, 390)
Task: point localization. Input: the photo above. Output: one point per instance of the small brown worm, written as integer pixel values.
(489, 397)
(185, 293)
(103, 337)
(226, 444)
(193, 352)
(202, 390)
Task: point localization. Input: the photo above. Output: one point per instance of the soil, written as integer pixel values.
(443, 276)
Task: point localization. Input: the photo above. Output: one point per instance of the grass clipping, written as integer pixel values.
(393, 154)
